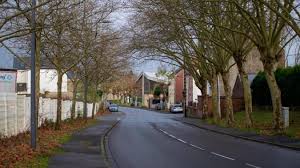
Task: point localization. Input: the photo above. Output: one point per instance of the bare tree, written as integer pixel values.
(11, 18)
(94, 15)
(61, 46)
(267, 33)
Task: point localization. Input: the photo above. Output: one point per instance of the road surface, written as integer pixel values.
(147, 139)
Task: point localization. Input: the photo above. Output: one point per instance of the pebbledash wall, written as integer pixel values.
(15, 112)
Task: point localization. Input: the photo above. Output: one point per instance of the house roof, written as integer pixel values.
(26, 62)
(153, 77)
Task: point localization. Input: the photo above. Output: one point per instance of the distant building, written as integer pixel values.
(48, 79)
(145, 85)
(176, 88)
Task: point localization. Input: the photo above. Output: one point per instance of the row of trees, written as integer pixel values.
(74, 37)
(207, 38)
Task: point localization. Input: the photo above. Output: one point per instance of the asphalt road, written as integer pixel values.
(147, 139)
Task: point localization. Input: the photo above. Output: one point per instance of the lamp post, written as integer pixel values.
(33, 121)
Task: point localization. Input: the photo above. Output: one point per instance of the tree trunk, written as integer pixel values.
(184, 94)
(276, 98)
(204, 100)
(269, 61)
(74, 100)
(202, 85)
(37, 71)
(214, 95)
(59, 100)
(85, 97)
(94, 102)
(228, 99)
(247, 94)
(93, 111)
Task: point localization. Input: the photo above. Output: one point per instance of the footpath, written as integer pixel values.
(277, 140)
(87, 147)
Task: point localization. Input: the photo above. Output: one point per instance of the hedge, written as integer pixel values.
(288, 80)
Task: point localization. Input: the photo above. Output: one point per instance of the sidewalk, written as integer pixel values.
(86, 148)
(281, 141)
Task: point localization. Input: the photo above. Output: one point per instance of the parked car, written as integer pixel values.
(176, 108)
(113, 108)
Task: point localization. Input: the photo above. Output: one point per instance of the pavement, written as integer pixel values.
(278, 140)
(86, 148)
(146, 139)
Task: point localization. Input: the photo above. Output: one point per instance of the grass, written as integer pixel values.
(263, 123)
(16, 151)
(42, 161)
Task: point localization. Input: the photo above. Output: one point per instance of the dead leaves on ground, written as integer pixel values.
(16, 150)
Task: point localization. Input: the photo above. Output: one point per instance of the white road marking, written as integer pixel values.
(181, 140)
(196, 147)
(222, 156)
(251, 165)
(172, 136)
(178, 139)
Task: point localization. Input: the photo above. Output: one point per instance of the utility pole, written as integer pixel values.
(33, 121)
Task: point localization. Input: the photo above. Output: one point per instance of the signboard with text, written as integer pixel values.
(8, 81)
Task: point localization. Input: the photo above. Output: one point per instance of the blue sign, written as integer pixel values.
(6, 77)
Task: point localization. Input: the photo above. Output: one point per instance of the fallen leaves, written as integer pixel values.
(16, 152)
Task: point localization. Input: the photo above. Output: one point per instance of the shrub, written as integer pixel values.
(288, 80)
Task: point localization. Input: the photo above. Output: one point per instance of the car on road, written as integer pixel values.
(113, 108)
(176, 108)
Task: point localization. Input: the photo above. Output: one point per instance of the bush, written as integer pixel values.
(157, 91)
(287, 79)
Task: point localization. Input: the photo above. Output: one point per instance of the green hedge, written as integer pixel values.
(288, 80)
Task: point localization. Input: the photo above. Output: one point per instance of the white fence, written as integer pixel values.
(15, 112)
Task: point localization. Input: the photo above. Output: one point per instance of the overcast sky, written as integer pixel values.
(120, 20)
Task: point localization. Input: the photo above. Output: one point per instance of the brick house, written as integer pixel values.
(176, 88)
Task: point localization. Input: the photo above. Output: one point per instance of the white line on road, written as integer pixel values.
(222, 156)
(172, 136)
(181, 140)
(251, 165)
(196, 147)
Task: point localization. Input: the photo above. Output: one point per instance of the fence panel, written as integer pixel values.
(21, 113)
(27, 113)
(3, 115)
(15, 112)
(11, 103)
(89, 110)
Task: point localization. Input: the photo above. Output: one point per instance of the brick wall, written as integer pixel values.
(195, 109)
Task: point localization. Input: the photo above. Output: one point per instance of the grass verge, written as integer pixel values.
(263, 123)
(16, 152)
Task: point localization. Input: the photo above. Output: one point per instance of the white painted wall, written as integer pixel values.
(171, 92)
(48, 80)
(196, 92)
